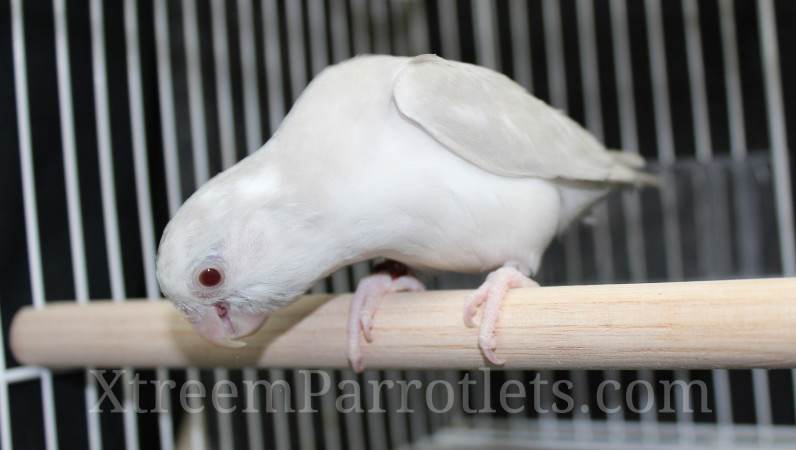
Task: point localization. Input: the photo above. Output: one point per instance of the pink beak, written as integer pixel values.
(222, 325)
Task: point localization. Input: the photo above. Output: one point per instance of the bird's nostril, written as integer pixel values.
(222, 309)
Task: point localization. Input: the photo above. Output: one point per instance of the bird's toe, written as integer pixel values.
(366, 323)
(469, 316)
(356, 362)
(488, 345)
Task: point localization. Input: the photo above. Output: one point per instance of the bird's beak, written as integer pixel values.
(223, 325)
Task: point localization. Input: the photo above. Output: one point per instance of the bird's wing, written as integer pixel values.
(491, 121)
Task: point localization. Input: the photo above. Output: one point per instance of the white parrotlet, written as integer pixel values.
(433, 163)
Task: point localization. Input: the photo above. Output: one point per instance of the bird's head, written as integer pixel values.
(222, 258)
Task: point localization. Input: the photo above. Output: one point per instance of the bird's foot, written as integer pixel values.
(370, 291)
(491, 293)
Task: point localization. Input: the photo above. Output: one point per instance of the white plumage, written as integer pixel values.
(433, 163)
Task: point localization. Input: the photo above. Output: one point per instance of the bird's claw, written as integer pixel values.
(356, 362)
(488, 345)
(469, 316)
(366, 323)
(364, 305)
(491, 294)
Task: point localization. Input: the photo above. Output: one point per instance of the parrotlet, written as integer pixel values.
(433, 163)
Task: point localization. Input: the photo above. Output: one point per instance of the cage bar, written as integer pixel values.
(484, 27)
(30, 208)
(276, 105)
(195, 90)
(77, 247)
(5, 412)
(769, 52)
(449, 29)
(704, 153)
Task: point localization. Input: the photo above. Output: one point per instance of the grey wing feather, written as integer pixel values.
(491, 121)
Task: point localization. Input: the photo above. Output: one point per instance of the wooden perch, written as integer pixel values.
(711, 324)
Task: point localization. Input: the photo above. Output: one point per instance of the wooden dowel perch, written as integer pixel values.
(730, 324)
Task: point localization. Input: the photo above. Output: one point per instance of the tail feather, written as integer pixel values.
(634, 162)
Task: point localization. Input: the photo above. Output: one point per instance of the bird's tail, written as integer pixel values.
(635, 163)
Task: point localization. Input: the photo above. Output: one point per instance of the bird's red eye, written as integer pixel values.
(209, 277)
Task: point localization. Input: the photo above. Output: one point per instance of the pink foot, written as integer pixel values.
(370, 291)
(492, 292)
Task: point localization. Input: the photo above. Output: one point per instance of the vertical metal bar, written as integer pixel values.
(380, 19)
(487, 55)
(665, 143)
(732, 79)
(200, 157)
(80, 277)
(521, 43)
(254, 428)
(587, 40)
(449, 28)
(339, 24)
(777, 135)
(353, 420)
(417, 419)
(29, 202)
(107, 185)
(554, 45)
(317, 20)
(281, 425)
(252, 117)
(398, 27)
(306, 432)
(225, 113)
(166, 102)
(273, 63)
(704, 153)
(225, 438)
(359, 26)
(276, 106)
(298, 77)
(629, 137)
(395, 419)
(251, 91)
(171, 164)
(748, 247)
(767, 27)
(196, 420)
(142, 183)
(556, 70)
(295, 42)
(5, 413)
(25, 154)
(696, 78)
(418, 28)
(377, 435)
(590, 79)
(664, 134)
(77, 247)
(485, 27)
(666, 153)
(140, 163)
(195, 90)
(329, 416)
(113, 242)
(660, 82)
